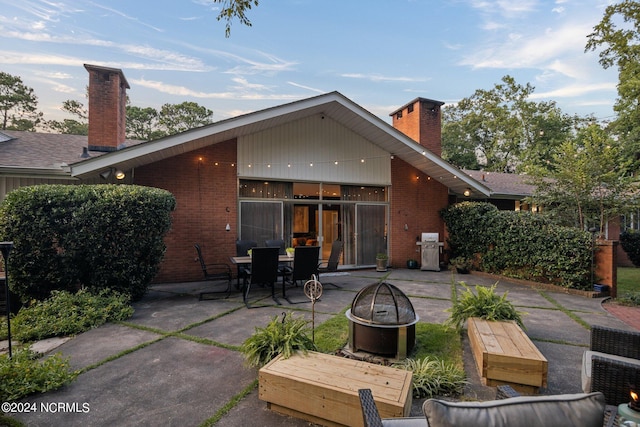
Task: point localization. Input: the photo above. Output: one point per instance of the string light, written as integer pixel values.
(362, 160)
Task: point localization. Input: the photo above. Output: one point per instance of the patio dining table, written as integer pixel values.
(246, 260)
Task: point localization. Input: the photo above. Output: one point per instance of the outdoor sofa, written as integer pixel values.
(565, 410)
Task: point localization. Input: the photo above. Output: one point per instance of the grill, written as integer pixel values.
(382, 321)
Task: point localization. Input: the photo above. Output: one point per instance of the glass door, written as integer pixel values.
(261, 221)
(371, 232)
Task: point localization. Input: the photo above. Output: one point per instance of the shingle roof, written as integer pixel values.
(503, 184)
(37, 150)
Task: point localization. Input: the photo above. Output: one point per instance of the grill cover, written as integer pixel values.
(383, 304)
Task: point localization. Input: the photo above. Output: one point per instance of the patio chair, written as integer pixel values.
(242, 248)
(334, 259)
(612, 364)
(305, 265)
(214, 272)
(284, 268)
(264, 271)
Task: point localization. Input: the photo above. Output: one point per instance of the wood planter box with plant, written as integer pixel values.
(503, 353)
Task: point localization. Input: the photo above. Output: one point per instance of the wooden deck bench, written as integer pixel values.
(505, 355)
(323, 389)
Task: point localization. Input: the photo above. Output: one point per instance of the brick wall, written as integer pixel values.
(415, 201)
(421, 121)
(107, 108)
(203, 191)
(606, 270)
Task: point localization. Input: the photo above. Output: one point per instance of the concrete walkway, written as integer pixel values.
(176, 361)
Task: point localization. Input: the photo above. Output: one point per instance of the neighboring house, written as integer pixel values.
(508, 190)
(321, 168)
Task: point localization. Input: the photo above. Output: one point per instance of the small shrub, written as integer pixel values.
(281, 336)
(629, 298)
(434, 377)
(630, 242)
(24, 374)
(65, 314)
(485, 303)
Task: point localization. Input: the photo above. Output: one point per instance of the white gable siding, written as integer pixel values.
(286, 152)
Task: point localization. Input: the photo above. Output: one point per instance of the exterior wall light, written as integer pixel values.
(467, 193)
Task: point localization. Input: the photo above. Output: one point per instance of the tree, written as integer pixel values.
(589, 183)
(18, 104)
(501, 130)
(618, 34)
(72, 126)
(176, 118)
(142, 123)
(234, 9)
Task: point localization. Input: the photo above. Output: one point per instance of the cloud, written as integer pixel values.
(537, 50)
(575, 90)
(306, 87)
(186, 92)
(381, 78)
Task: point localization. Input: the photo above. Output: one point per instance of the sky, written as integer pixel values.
(381, 54)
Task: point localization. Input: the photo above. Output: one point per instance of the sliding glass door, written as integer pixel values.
(371, 232)
(261, 221)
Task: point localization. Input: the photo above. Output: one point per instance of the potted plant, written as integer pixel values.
(381, 262)
(290, 252)
(462, 264)
(412, 264)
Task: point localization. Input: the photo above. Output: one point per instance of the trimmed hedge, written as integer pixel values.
(630, 242)
(520, 244)
(67, 237)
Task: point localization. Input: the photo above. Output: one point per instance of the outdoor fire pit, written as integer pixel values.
(382, 321)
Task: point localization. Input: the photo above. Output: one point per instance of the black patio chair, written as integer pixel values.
(264, 271)
(284, 269)
(242, 248)
(332, 263)
(305, 265)
(214, 272)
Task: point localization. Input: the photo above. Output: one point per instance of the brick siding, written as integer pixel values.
(203, 191)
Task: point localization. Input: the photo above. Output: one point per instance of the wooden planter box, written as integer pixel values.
(504, 354)
(323, 389)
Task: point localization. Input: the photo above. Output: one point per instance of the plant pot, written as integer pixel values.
(412, 264)
(381, 265)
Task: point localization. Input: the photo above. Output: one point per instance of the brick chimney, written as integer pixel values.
(107, 107)
(421, 121)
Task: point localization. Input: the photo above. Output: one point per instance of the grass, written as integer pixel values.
(628, 286)
(436, 360)
(628, 280)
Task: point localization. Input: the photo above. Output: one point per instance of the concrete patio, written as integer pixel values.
(175, 362)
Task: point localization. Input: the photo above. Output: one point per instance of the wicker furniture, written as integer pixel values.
(615, 364)
(580, 410)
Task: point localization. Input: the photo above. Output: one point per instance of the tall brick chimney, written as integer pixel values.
(421, 121)
(107, 107)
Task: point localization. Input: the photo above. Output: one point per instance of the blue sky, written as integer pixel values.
(379, 53)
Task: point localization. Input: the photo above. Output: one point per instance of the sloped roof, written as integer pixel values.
(38, 153)
(333, 105)
(503, 185)
(62, 154)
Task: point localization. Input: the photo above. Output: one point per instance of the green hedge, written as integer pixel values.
(630, 242)
(520, 244)
(67, 237)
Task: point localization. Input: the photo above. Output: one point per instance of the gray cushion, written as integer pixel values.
(563, 410)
